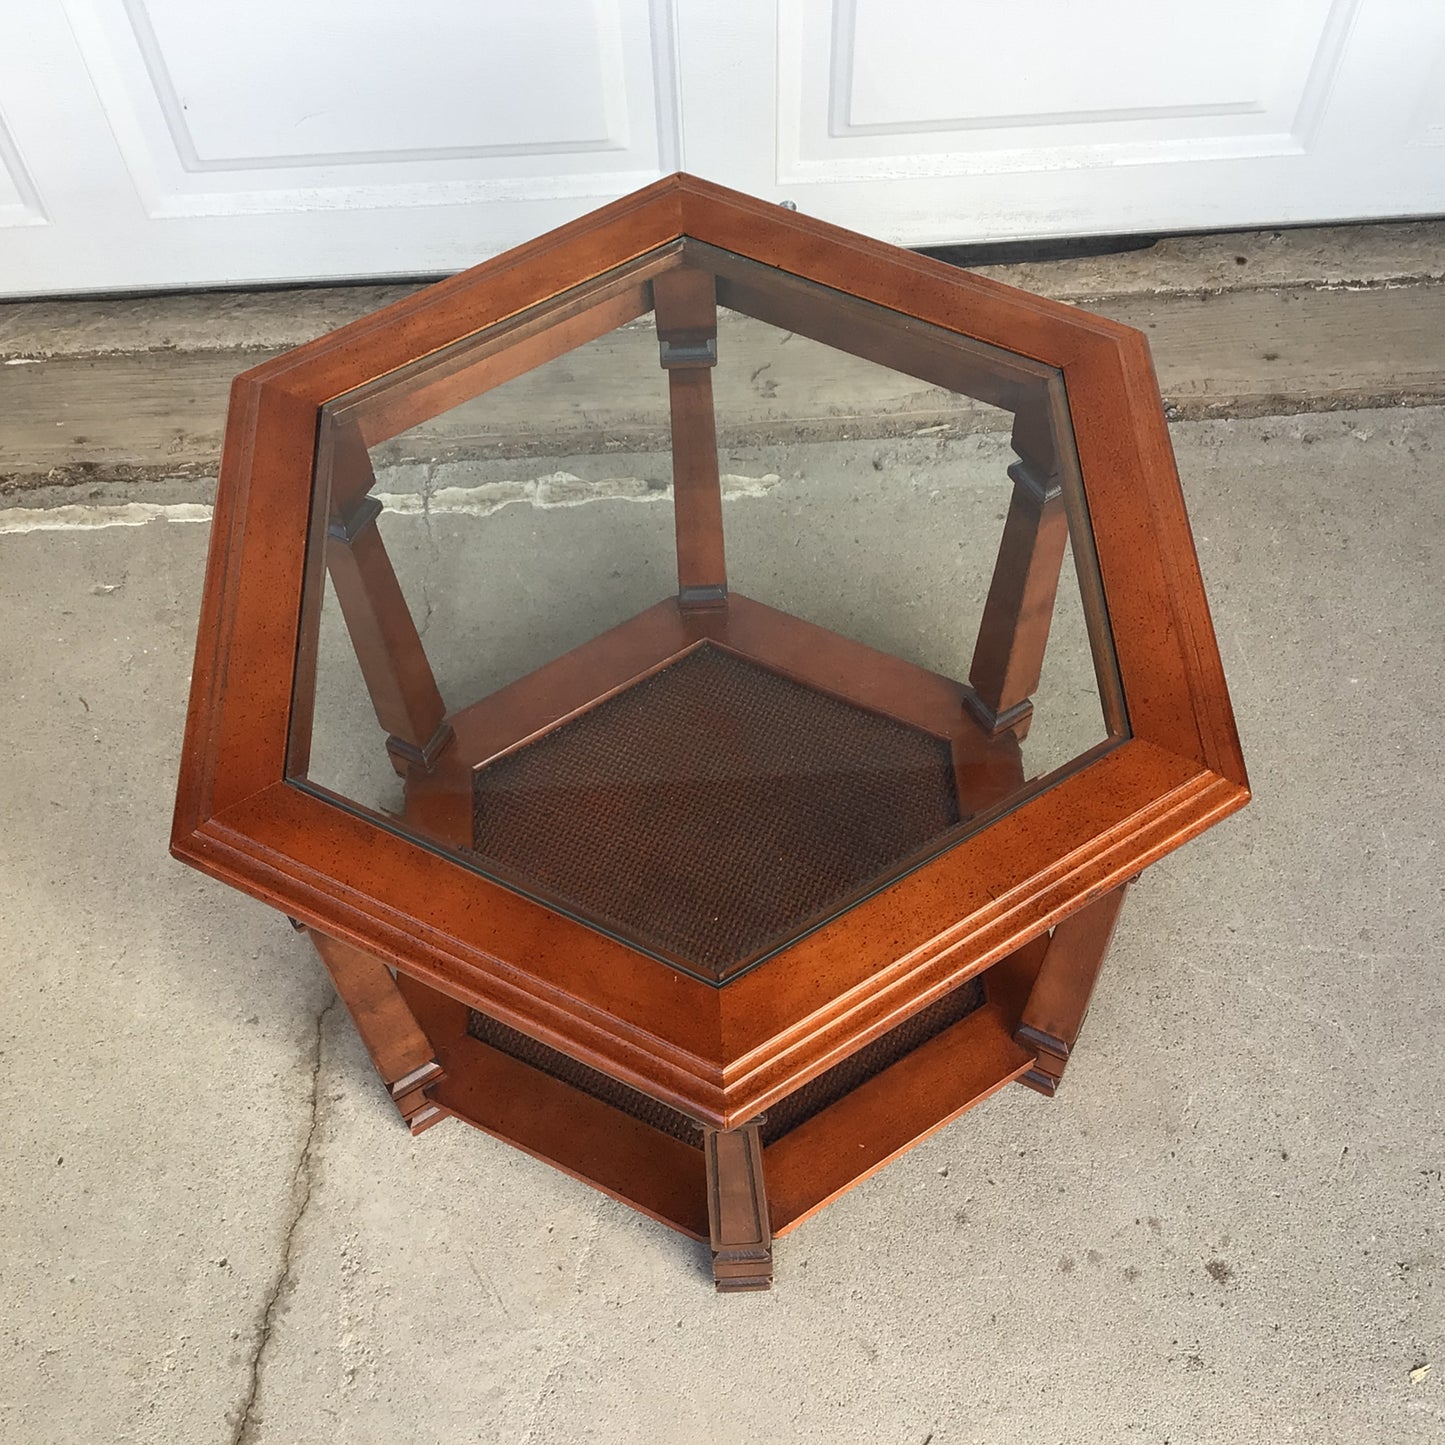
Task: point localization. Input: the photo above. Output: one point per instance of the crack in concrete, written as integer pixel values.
(300, 1198)
(428, 491)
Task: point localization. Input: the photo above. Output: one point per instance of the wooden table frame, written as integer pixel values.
(415, 940)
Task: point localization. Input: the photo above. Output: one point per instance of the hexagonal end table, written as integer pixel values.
(715, 902)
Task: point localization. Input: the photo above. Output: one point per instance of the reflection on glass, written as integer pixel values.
(701, 602)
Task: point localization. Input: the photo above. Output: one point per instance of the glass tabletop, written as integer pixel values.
(700, 603)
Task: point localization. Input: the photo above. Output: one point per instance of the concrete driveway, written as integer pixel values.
(1226, 1228)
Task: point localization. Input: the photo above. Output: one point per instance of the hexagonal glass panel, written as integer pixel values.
(701, 602)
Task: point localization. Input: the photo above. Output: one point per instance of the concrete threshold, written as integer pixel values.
(133, 390)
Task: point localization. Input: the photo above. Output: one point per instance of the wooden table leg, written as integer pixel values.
(737, 1209)
(1054, 1013)
(401, 1052)
(388, 647)
(685, 300)
(1008, 657)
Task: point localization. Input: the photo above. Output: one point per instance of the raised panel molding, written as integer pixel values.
(575, 98)
(968, 61)
(382, 77)
(872, 90)
(20, 203)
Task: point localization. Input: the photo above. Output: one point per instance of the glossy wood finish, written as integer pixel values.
(1013, 633)
(388, 648)
(1056, 1008)
(687, 342)
(796, 1175)
(837, 317)
(558, 1124)
(776, 1026)
(433, 384)
(401, 1053)
(1009, 656)
(812, 655)
(888, 1115)
(737, 1210)
(245, 813)
(702, 578)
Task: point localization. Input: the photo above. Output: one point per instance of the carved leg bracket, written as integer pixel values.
(737, 1210)
(416, 1106)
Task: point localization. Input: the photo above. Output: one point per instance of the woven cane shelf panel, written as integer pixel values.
(783, 1117)
(713, 811)
(547, 1060)
(841, 1079)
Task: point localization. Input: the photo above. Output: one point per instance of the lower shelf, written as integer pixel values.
(660, 1170)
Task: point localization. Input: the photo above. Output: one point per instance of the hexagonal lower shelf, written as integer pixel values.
(828, 1136)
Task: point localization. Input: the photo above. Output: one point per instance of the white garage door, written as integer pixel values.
(167, 143)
